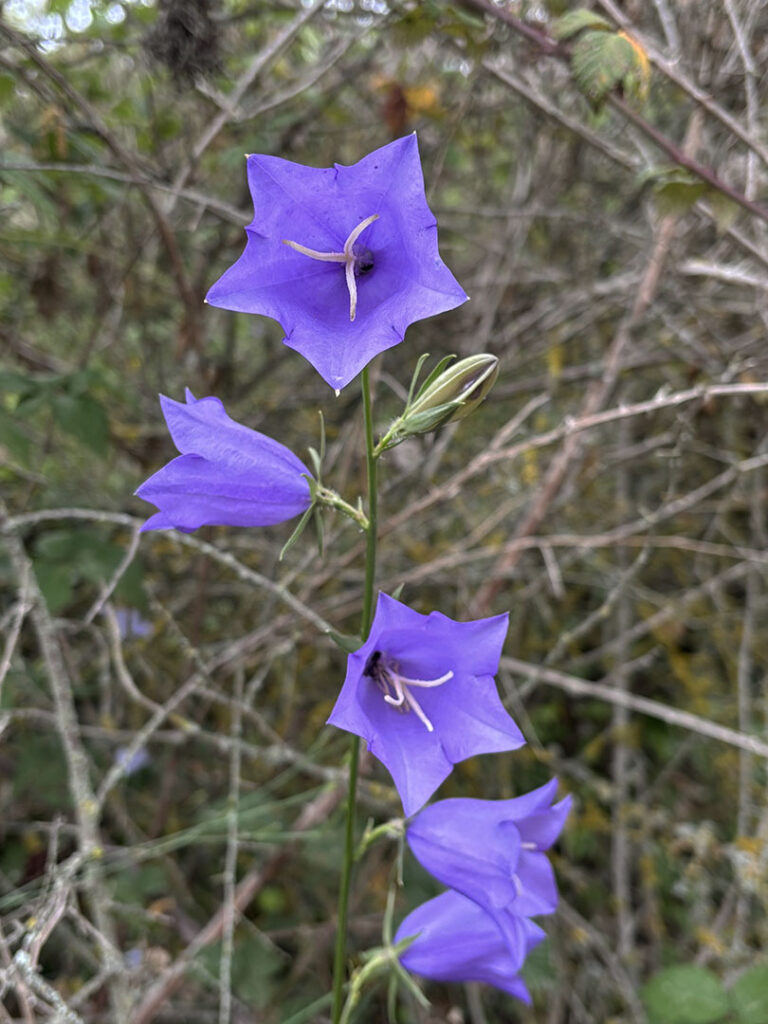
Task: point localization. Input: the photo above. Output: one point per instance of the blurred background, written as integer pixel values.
(169, 824)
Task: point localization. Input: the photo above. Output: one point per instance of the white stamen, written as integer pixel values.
(414, 705)
(427, 682)
(347, 257)
(396, 702)
(395, 686)
(518, 884)
(528, 846)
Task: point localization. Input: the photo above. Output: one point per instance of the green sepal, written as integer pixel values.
(414, 379)
(299, 529)
(444, 363)
(348, 642)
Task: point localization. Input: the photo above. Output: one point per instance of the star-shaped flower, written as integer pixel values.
(345, 258)
(459, 941)
(226, 475)
(421, 692)
(493, 851)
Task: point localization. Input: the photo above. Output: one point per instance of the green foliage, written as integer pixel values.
(65, 558)
(577, 21)
(749, 996)
(685, 995)
(256, 965)
(601, 61)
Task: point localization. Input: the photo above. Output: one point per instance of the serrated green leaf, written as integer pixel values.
(577, 21)
(685, 995)
(749, 996)
(602, 60)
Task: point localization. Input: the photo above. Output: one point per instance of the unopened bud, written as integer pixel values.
(448, 394)
(454, 394)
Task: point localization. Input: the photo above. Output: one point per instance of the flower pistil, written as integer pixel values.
(356, 261)
(396, 687)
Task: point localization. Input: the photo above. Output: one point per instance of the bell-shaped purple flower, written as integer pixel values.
(459, 941)
(345, 258)
(226, 475)
(421, 692)
(493, 851)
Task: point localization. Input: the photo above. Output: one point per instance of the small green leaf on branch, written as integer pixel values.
(577, 21)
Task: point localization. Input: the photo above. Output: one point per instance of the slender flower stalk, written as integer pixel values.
(340, 953)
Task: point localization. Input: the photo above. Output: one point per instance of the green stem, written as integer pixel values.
(340, 954)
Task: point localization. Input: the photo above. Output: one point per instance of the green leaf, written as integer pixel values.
(749, 996)
(603, 60)
(678, 195)
(12, 437)
(85, 419)
(7, 89)
(685, 995)
(255, 966)
(576, 21)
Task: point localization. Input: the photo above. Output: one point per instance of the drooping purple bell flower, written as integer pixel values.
(344, 258)
(459, 941)
(493, 851)
(421, 692)
(226, 475)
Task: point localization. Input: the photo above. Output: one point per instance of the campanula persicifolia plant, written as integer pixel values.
(346, 258)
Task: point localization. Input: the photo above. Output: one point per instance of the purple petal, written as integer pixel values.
(457, 841)
(458, 941)
(465, 711)
(318, 208)
(228, 475)
(543, 828)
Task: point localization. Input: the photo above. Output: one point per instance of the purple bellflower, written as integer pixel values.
(421, 692)
(459, 941)
(226, 475)
(344, 258)
(493, 851)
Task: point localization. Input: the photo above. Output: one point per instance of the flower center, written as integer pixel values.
(357, 262)
(397, 688)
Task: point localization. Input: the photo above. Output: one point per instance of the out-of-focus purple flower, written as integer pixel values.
(344, 258)
(459, 941)
(493, 851)
(130, 623)
(226, 475)
(421, 692)
(132, 763)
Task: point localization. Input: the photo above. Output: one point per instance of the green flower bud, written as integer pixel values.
(453, 394)
(449, 393)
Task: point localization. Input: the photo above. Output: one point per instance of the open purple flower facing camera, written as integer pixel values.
(344, 258)
(226, 475)
(457, 940)
(421, 692)
(494, 852)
